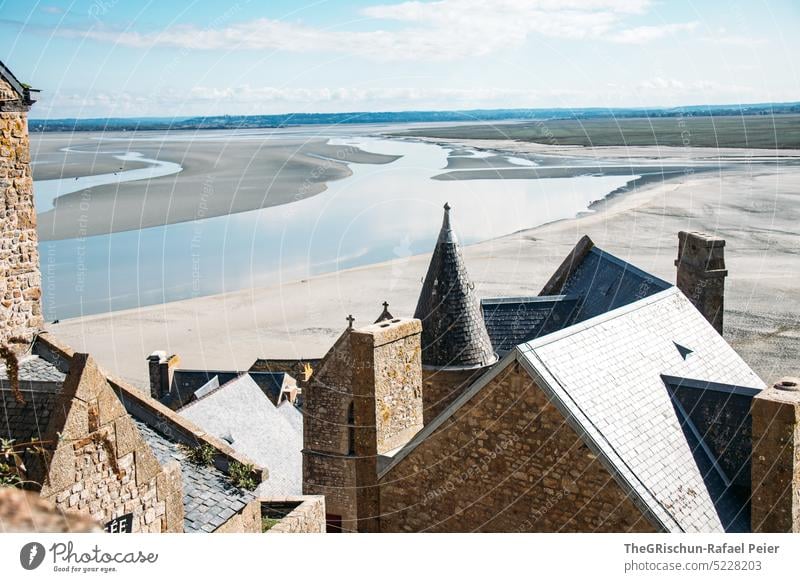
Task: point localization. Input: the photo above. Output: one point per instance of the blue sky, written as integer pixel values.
(122, 58)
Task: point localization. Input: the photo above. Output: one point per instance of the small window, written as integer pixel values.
(351, 430)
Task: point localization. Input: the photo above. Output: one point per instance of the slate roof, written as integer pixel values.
(453, 330)
(271, 384)
(40, 384)
(603, 282)
(241, 414)
(35, 369)
(607, 377)
(513, 320)
(209, 500)
(719, 414)
(186, 382)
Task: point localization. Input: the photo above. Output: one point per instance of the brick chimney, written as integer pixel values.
(775, 473)
(20, 279)
(160, 367)
(701, 273)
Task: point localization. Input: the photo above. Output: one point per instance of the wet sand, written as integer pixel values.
(756, 209)
(219, 177)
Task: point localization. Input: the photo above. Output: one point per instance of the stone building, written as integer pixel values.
(20, 280)
(616, 406)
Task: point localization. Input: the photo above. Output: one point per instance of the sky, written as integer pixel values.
(120, 58)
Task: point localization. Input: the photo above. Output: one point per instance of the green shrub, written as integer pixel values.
(267, 523)
(241, 475)
(202, 455)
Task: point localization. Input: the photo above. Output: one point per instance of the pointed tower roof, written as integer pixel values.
(453, 331)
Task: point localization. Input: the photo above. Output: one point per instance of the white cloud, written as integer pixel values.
(643, 34)
(246, 99)
(441, 30)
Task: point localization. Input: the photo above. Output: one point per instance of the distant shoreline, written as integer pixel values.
(288, 120)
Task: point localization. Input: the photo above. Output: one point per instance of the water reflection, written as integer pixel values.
(379, 213)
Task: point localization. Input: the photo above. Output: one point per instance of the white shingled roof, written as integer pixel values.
(605, 374)
(272, 437)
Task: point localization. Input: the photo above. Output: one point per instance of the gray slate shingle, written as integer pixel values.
(513, 320)
(453, 330)
(207, 492)
(606, 376)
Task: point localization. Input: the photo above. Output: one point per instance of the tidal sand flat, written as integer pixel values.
(220, 175)
(380, 212)
(755, 208)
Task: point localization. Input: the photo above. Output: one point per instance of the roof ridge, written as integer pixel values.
(597, 319)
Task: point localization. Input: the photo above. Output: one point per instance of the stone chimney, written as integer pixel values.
(161, 367)
(701, 273)
(20, 279)
(775, 473)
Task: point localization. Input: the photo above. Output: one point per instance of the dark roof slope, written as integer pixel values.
(209, 499)
(717, 417)
(600, 281)
(40, 383)
(453, 330)
(514, 320)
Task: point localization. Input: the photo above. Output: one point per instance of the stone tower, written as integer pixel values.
(775, 469)
(455, 344)
(701, 273)
(363, 402)
(20, 279)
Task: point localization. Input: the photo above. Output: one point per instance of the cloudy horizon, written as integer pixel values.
(112, 58)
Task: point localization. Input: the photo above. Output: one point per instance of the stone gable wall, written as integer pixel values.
(20, 280)
(99, 464)
(506, 461)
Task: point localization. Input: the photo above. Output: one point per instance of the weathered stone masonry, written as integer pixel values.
(364, 401)
(98, 462)
(20, 281)
(505, 461)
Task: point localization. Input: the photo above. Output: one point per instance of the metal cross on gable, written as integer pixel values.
(350, 320)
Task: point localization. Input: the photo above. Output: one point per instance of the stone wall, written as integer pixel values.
(20, 280)
(505, 461)
(307, 516)
(98, 463)
(248, 520)
(440, 387)
(328, 467)
(388, 363)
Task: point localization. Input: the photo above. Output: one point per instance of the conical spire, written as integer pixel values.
(453, 331)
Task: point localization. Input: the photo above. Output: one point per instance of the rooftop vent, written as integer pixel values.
(683, 351)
